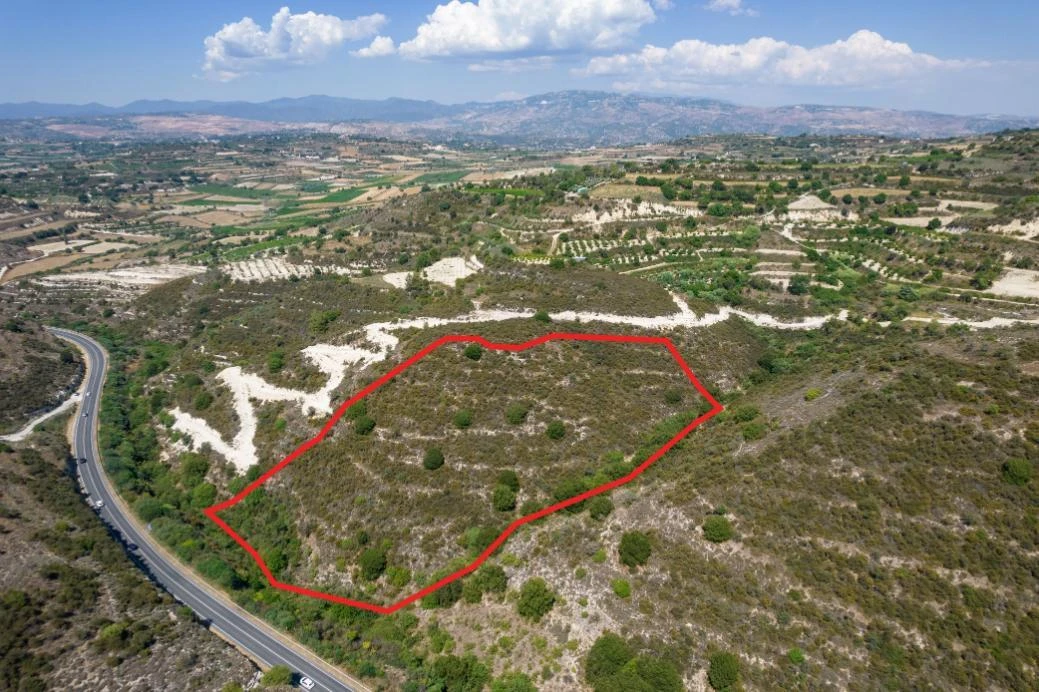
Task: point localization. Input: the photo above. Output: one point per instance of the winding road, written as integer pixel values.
(257, 639)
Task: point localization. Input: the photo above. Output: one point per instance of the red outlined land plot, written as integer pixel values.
(214, 512)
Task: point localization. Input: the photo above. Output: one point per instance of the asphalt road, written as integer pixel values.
(263, 643)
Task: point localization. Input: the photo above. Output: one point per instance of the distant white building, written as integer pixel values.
(811, 208)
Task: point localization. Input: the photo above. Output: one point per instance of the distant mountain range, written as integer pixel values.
(560, 118)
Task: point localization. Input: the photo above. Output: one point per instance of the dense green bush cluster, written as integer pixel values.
(634, 549)
(535, 599)
(614, 665)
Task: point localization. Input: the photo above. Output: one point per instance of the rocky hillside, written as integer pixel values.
(75, 613)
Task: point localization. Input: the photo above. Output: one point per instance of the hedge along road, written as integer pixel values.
(257, 639)
(214, 511)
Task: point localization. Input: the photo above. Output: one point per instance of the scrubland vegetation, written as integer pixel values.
(74, 610)
(862, 515)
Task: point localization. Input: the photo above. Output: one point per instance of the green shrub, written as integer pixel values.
(567, 488)
(516, 413)
(555, 430)
(796, 656)
(599, 507)
(433, 459)
(373, 563)
(607, 656)
(277, 675)
(723, 671)
(149, 508)
(513, 682)
(465, 674)
(320, 320)
(717, 529)
(535, 599)
(492, 579)
(1017, 471)
(746, 413)
(203, 400)
(621, 588)
(658, 674)
(364, 425)
(542, 316)
(509, 479)
(611, 666)
(813, 394)
(463, 419)
(503, 498)
(634, 549)
(473, 352)
(754, 431)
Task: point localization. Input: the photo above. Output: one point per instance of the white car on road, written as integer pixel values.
(306, 683)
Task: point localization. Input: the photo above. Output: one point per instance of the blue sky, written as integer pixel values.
(953, 56)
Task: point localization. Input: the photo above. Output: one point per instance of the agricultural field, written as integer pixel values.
(861, 515)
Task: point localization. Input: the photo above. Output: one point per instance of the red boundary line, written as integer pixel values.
(213, 512)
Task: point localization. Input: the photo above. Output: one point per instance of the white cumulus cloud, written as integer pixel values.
(489, 27)
(292, 39)
(537, 62)
(733, 7)
(864, 59)
(380, 46)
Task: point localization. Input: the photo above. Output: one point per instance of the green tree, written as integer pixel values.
(193, 469)
(458, 674)
(535, 599)
(473, 352)
(934, 224)
(555, 430)
(433, 459)
(275, 361)
(634, 549)
(607, 656)
(723, 671)
(542, 316)
(149, 508)
(908, 293)
(799, 284)
(717, 529)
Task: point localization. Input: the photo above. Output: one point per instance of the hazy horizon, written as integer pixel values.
(751, 52)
